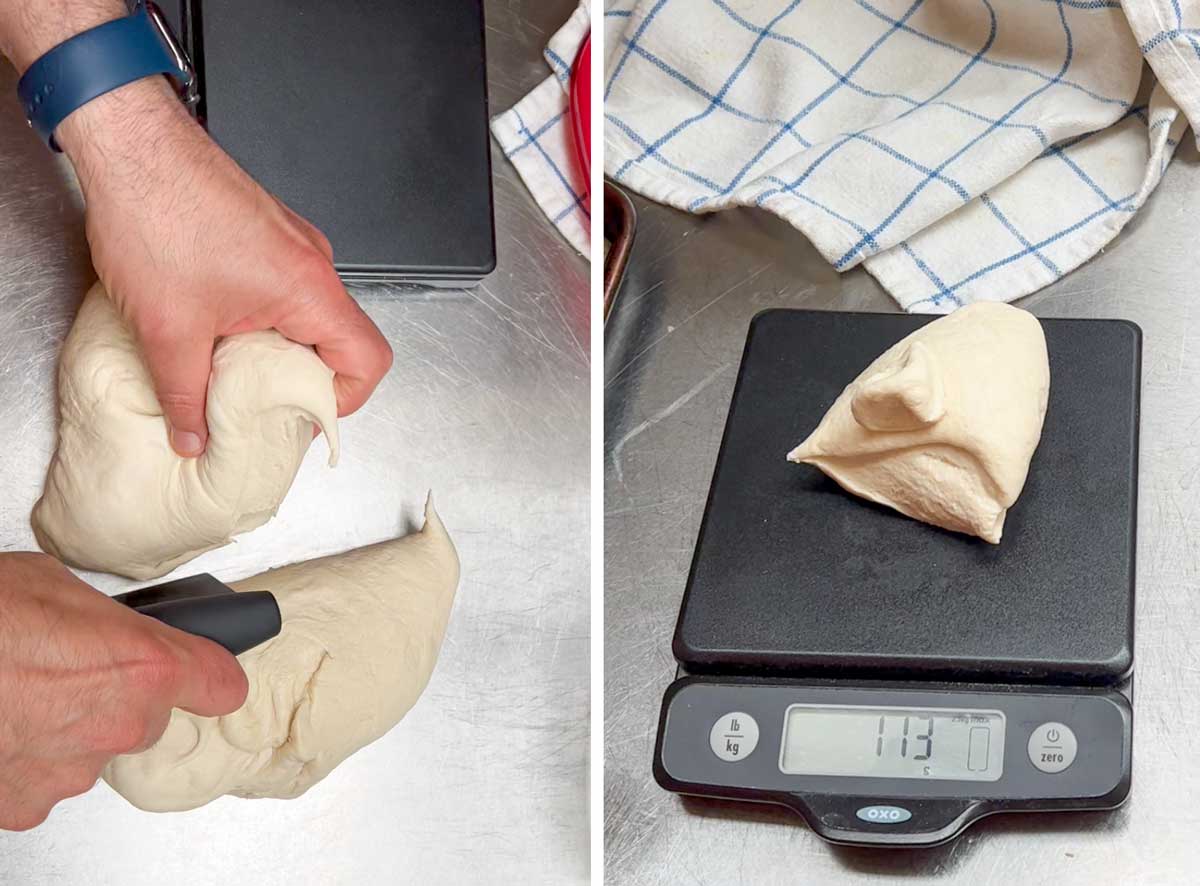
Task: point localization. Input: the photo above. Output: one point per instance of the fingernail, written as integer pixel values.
(185, 442)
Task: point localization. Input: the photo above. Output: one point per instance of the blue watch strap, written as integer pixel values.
(95, 62)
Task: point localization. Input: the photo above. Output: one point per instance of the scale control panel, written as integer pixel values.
(911, 765)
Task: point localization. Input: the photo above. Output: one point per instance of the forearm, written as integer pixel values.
(116, 139)
(109, 137)
(170, 213)
(28, 28)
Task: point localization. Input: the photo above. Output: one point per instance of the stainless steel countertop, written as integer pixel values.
(486, 779)
(672, 353)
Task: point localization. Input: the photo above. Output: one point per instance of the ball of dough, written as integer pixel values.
(361, 633)
(117, 497)
(943, 424)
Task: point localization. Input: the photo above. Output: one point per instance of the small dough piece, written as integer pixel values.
(117, 497)
(361, 634)
(943, 424)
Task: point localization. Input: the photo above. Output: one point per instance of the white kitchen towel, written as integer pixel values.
(1168, 34)
(962, 150)
(535, 134)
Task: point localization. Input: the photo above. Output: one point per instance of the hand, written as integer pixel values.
(83, 679)
(190, 248)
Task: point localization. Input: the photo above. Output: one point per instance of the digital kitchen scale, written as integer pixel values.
(890, 681)
(368, 119)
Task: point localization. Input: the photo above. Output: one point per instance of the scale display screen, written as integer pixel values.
(892, 742)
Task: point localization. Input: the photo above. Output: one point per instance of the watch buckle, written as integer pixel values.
(188, 90)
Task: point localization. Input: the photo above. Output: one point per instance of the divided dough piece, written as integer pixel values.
(117, 497)
(943, 424)
(361, 633)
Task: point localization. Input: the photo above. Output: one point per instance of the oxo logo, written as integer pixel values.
(884, 814)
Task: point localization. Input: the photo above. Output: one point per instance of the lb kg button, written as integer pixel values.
(734, 737)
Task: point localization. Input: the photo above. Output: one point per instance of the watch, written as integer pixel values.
(100, 60)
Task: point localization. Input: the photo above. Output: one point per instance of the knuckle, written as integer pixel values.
(151, 667)
(235, 682)
(180, 401)
(309, 267)
(38, 560)
(33, 568)
(154, 329)
(322, 241)
(26, 818)
(119, 735)
(76, 780)
(382, 357)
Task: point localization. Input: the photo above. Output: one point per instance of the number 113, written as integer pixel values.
(926, 737)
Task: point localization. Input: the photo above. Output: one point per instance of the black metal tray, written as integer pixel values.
(793, 575)
(369, 119)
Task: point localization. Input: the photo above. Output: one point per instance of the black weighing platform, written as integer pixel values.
(891, 681)
(369, 119)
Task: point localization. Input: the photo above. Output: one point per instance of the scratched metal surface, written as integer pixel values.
(485, 780)
(672, 351)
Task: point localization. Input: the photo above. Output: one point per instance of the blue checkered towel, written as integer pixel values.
(535, 135)
(961, 150)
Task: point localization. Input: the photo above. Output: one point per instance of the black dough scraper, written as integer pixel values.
(206, 607)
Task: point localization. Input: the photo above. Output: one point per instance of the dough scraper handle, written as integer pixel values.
(206, 607)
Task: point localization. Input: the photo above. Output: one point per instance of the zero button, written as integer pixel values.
(1052, 747)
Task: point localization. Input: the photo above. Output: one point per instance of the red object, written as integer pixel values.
(581, 116)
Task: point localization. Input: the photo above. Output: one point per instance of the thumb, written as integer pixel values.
(180, 368)
(210, 682)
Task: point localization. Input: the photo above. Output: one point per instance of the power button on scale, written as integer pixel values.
(1052, 747)
(734, 737)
